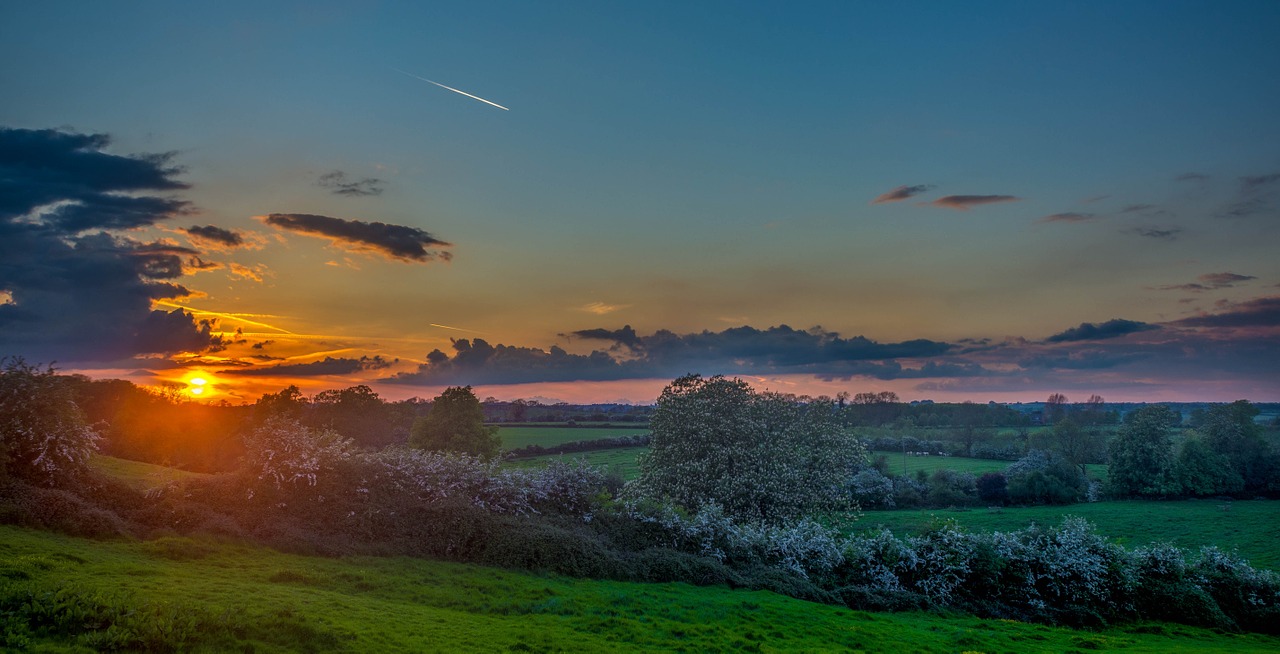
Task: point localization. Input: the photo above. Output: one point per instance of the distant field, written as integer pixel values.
(138, 474)
(1252, 527)
(517, 437)
(179, 594)
(910, 464)
(622, 459)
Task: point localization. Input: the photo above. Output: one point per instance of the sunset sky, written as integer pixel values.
(950, 200)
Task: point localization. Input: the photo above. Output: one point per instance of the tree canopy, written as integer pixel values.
(757, 455)
(455, 423)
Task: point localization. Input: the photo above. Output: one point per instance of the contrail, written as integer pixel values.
(473, 97)
(457, 329)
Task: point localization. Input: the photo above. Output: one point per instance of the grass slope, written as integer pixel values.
(200, 596)
(1252, 527)
(138, 474)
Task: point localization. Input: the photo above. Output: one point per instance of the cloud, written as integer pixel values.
(1191, 177)
(392, 241)
(1070, 217)
(1210, 282)
(966, 202)
(1134, 208)
(75, 291)
(1167, 234)
(600, 308)
(214, 237)
(326, 366)
(1088, 331)
(241, 271)
(1259, 312)
(338, 184)
(739, 350)
(1259, 182)
(901, 193)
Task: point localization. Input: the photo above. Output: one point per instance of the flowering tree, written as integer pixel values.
(759, 456)
(43, 435)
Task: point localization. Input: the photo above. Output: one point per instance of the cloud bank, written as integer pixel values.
(76, 292)
(966, 202)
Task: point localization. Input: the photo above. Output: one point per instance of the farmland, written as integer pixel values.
(204, 596)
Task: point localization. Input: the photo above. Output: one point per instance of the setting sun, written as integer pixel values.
(196, 385)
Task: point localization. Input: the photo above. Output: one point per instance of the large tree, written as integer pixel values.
(1229, 430)
(1142, 454)
(44, 438)
(455, 423)
(759, 456)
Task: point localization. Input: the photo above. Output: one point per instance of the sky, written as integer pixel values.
(581, 201)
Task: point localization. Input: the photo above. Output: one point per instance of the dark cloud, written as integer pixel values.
(326, 366)
(1167, 234)
(1069, 217)
(1191, 177)
(1088, 331)
(966, 202)
(738, 350)
(902, 193)
(216, 236)
(338, 184)
(1259, 312)
(1083, 359)
(392, 241)
(77, 293)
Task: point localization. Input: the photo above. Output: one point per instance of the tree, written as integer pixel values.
(1201, 471)
(357, 413)
(43, 435)
(1229, 430)
(1078, 445)
(455, 423)
(759, 456)
(1055, 408)
(1142, 453)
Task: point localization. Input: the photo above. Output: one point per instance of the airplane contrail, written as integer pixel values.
(473, 97)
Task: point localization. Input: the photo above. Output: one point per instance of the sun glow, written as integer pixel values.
(196, 386)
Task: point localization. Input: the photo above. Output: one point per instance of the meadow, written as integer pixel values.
(1251, 527)
(517, 437)
(197, 595)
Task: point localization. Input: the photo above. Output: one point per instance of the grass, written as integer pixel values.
(622, 459)
(138, 474)
(1252, 527)
(932, 463)
(205, 596)
(517, 437)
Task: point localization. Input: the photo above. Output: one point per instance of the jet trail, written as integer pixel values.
(450, 88)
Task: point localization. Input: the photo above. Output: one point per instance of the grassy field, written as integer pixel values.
(910, 464)
(138, 474)
(1251, 527)
(516, 437)
(622, 459)
(203, 596)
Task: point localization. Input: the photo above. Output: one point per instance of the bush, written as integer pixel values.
(43, 435)
(1043, 477)
(993, 488)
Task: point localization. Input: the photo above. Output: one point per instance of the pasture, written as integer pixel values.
(193, 595)
(137, 474)
(517, 437)
(1252, 527)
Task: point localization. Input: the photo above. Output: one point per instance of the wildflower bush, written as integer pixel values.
(44, 438)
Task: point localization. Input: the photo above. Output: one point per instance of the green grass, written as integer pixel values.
(1252, 527)
(622, 459)
(911, 464)
(138, 474)
(203, 596)
(516, 437)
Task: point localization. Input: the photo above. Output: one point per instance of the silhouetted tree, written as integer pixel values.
(1142, 453)
(455, 423)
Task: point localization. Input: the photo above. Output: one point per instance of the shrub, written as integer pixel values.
(993, 488)
(43, 435)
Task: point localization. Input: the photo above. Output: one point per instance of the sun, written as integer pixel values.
(196, 385)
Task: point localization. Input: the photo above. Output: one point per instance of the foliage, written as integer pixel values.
(456, 424)
(1200, 471)
(757, 455)
(1044, 477)
(1141, 454)
(872, 489)
(993, 487)
(1229, 430)
(43, 435)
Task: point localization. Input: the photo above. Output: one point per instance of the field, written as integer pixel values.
(1252, 527)
(910, 464)
(205, 596)
(138, 474)
(517, 437)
